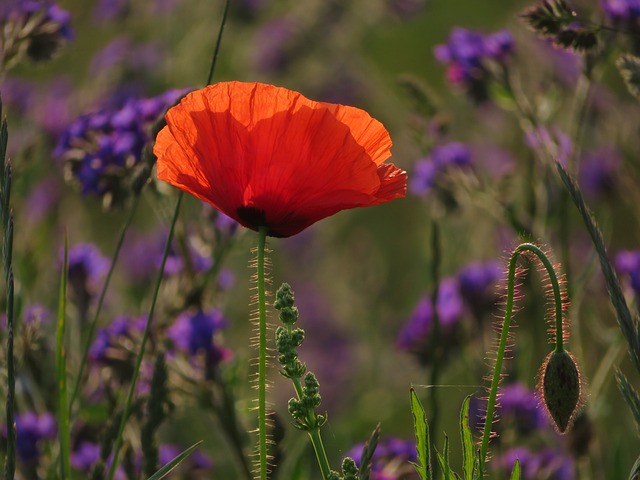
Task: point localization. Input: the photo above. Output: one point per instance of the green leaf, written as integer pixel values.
(443, 460)
(628, 323)
(630, 395)
(173, 463)
(468, 453)
(629, 67)
(421, 427)
(366, 458)
(515, 473)
(61, 370)
(502, 96)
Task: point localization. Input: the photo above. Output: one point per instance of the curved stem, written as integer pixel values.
(504, 334)
(262, 355)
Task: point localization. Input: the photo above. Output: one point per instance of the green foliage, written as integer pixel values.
(61, 371)
(423, 443)
(366, 458)
(630, 395)
(470, 454)
(164, 471)
(516, 473)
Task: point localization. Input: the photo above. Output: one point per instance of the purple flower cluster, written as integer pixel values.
(194, 332)
(599, 172)
(122, 329)
(31, 430)
(443, 158)
(628, 263)
(390, 460)
(547, 463)
(467, 54)
(33, 28)
(101, 149)
(621, 11)
(87, 266)
(87, 453)
(474, 288)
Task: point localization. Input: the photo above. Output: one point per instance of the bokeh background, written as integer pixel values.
(358, 276)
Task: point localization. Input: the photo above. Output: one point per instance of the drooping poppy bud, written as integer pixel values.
(561, 388)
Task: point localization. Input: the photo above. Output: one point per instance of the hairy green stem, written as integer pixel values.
(262, 355)
(143, 343)
(504, 334)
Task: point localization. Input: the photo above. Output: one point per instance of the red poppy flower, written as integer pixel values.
(269, 157)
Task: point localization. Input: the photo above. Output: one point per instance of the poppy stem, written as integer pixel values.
(262, 355)
(504, 333)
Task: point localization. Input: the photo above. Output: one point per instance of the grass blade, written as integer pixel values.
(366, 458)
(628, 324)
(423, 447)
(164, 471)
(516, 473)
(630, 396)
(468, 454)
(61, 370)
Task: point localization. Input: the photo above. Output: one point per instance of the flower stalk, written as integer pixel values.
(262, 354)
(504, 335)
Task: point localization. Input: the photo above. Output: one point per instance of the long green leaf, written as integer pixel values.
(443, 460)
(468, 454)
(421, 427)
(515, 473)
(164, 471)
(61, 370)
(366, 459)
(630, 395)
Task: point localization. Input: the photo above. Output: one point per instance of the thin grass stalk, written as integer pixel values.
(61, 369)
(435, 344)
(7, 254)
(143, 344)
(94, 323)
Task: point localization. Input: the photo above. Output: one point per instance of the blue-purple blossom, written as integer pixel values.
(390, 459)
(36, 315)
(467, 53)
(101, 149)
(31, 430)
(547, 463)
(194, 333)
(443, 158)
(112, 337)
(478, 283)
(415, 335)
(621, 11)
(33, 28)
(599, 172)
(628, 263)
(87, 266)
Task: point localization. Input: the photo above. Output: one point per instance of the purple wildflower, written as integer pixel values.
(87, 266)
(390, 459)
(37, 29)
(599, 172)
(628, 263)
(31, 430)
(122, 330)
(621, 11)
(36, 315)
(467, 55)
(442, 159)
(194, 333)
(103, 148)
(478, 285)
(84, 456)
(415, 335)
(549, 464)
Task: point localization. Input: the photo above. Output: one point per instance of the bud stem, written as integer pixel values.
(504, 333)
(262, 356)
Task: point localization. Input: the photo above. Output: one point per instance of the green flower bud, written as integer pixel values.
(561, 388)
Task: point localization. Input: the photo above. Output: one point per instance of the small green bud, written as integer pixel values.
(349, 469)
(561, 388)
(333, 476)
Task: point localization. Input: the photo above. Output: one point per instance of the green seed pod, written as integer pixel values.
(560, 383)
